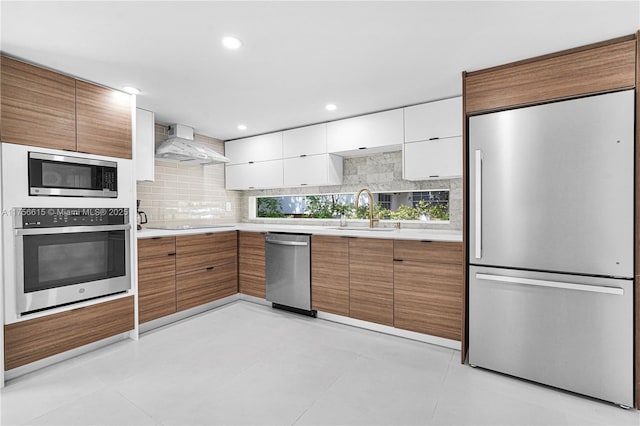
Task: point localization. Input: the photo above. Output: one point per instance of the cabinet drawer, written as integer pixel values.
(205, 250)
(151, 247)
(206, 285)
(156, 287)
(32, 340)
(428, 251)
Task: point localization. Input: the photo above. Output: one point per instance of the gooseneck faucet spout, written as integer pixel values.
(372, 220)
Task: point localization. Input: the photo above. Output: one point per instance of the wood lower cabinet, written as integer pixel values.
(251, 263)
(103, 120)
(371, 280)
(38, 106)
(206, 268)
(206, 285)
(156, 278)
(330, 274)
(428, 287)
(39, 338)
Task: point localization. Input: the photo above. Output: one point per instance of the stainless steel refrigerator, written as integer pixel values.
(551, 244)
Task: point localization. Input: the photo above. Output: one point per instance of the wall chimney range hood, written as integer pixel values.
(180, 146)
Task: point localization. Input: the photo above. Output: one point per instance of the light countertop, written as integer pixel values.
(362, 232)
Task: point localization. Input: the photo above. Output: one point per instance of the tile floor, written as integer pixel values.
(248, 364)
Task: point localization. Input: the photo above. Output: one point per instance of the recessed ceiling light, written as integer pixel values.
(242, 127)
(330, 107)
(231, 42)
(131, 90)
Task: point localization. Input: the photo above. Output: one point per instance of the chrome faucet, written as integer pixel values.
(372, 220)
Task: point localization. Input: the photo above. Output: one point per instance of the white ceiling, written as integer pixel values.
(297, 56)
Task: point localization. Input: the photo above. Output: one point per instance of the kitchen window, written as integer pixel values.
(425, 206)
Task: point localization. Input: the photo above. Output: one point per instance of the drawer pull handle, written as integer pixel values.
(434, 138)
(209, 268)
(397, 260)
(171, 254)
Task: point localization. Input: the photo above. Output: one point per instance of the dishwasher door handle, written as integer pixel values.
(287, 243)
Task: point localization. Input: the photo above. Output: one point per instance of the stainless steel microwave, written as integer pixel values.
(67, 176)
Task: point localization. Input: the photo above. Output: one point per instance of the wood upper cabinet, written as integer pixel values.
(156, 278)
(39, 338)
(103, 120)
(330, 274)
(38, 106)
(428, 287)
(251, 261)
(206, 268)
(371, 280)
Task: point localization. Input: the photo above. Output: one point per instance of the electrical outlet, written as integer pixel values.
(227, 206)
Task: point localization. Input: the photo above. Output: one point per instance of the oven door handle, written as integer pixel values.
(71, 229)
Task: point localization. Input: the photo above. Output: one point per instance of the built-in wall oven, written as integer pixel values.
(66, 255)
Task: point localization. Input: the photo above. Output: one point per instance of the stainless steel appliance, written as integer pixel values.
(551, 244)
(68, 255)
(64, 175)
(288, 271)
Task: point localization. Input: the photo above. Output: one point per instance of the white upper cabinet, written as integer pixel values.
(379, 132)
(145, 145)
(253, 149)
(319, 169)
(258, 175)
(440, 119)
(307, 140)
(433, 159)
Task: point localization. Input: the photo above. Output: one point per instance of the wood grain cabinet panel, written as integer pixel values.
(156, 278)
(251, 279)
(371, 280)
(154, 247)
(204, 250)
(591, 69)
(39, 338)
(428, 287)
(38, 106)
(330, 274)
(206, 285)
(103, 120)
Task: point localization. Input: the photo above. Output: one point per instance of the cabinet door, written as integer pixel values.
(264, 174)
(206, 285)
(38, 338)
(257, 148)
(37, 107)
(251, 275)
(322, 169)
(433, 159)
(156, 287)
(330, 274)
(440, 119)
(371, 280)
(307, 140)
(103, 120)
(380, 130)
(145, 145)
(205, 250)
(428, 287)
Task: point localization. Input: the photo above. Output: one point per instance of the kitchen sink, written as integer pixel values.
(362, 228)
(185, 227)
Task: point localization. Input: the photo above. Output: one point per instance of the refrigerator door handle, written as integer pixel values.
(478, 204)
(553, 284)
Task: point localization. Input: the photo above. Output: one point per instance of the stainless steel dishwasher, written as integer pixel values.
(288, 271)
